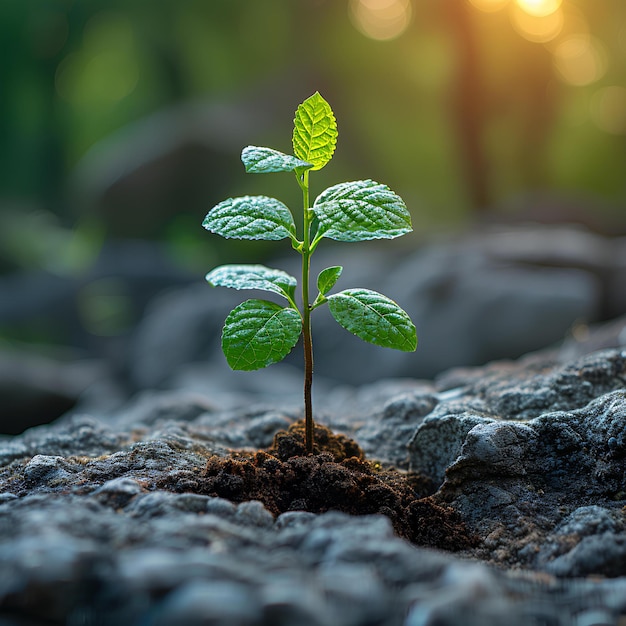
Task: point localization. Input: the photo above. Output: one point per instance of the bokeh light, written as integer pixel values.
(574, 23)
(539, 8)
(580, 60)
(539, 29)
(489, 6)
(608, 109)
(381, 19)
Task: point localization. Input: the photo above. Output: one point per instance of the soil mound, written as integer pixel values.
(335, 477)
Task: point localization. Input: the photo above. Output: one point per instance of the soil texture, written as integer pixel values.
(335, 477)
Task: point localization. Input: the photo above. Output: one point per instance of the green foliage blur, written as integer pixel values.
(125, 118)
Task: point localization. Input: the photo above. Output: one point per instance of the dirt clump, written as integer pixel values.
(290, 443)
(335, 477)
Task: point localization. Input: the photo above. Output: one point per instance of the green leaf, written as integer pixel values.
(314, 132)
(250, 217)
(259, 160)
(374, 318)
(252, 277)
(258, 333)
(361, 210)
(327, 278)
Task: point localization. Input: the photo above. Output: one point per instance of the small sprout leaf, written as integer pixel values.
(252, 277)
(361, 210)
(258, 333)
(259, 160)
(327, 278)
(250, 217)
(374, 318)
(314, 132)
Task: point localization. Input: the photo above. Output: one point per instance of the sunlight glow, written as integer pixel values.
(538, 29)
(575, 23)
(489, 6)
(539, 8)
(580, 60)
(381, 19)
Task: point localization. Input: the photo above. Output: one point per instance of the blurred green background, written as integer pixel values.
(124, 119)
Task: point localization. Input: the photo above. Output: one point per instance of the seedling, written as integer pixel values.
(257, 333)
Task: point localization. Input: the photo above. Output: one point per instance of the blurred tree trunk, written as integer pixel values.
(523, 95)
(468, 103)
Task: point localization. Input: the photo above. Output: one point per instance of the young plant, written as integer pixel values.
(260, 332)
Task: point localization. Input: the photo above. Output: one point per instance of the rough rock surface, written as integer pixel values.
(98, 527)
(536, 463)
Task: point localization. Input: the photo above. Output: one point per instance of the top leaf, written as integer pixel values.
(314, 132)
(260, 160)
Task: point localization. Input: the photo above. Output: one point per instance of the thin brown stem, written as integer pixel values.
(308, 380)
(307, 341)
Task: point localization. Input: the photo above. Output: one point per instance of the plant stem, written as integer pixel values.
(306, 316)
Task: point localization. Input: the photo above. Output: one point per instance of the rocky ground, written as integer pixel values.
(491, 495)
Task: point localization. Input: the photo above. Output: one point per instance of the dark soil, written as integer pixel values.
(335, 477)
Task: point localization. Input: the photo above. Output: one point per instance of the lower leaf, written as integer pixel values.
(258, 333)
(374, 318)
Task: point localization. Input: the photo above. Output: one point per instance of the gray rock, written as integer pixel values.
(474, 591)
(80, 435)
(46, 469)
(549, 439)
(590, 520)
(540, 383)
(202, 602)
(118, 492)
(293, 598)
(437, 442)
(162, 503)
(354, 594)
(294, 519)
(253, 513)
(604, 552)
